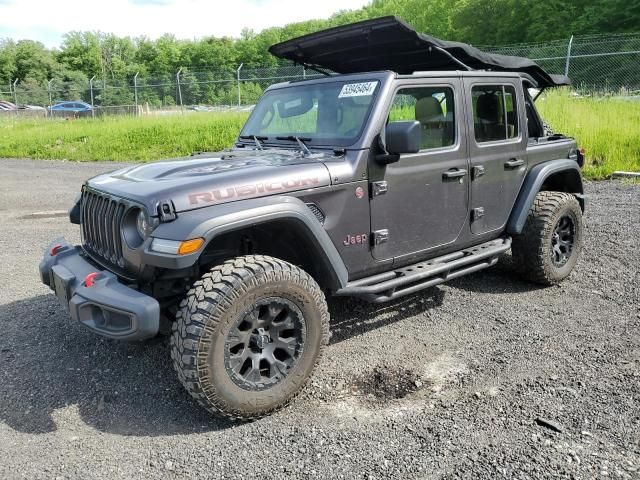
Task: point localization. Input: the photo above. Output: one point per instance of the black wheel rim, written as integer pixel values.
(265, 343)
(562, 240)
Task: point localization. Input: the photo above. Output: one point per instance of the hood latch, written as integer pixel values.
(166, 211)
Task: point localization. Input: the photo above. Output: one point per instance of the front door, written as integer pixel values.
(497, 150)
(421, 201)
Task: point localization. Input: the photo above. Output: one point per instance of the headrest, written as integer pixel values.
(488, 107)
(428, 109)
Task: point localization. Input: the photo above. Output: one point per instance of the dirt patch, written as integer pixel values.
(388, 383)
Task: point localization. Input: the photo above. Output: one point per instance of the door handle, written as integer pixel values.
(454, 173)
(514, 163)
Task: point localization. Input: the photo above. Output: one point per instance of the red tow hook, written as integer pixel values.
(90, 279)
(55, 249)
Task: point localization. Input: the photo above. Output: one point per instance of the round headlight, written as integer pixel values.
(142, 224)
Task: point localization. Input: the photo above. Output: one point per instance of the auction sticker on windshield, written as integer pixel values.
(357, 89)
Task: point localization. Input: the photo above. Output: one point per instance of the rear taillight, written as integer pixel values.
(580, 159)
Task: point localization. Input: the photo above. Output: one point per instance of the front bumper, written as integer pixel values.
(108, 307)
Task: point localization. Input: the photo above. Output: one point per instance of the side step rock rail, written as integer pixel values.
(403, 281)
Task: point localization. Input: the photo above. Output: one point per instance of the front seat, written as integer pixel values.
(488, 113)
(429, 114)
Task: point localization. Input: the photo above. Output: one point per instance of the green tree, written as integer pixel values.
(81, 51)
(33, 60)
(7, 62)
(210, 62)
(32, 92)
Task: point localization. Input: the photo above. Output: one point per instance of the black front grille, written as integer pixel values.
(101, 219)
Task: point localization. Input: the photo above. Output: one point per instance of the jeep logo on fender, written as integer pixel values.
(355, 239)
(251, 190)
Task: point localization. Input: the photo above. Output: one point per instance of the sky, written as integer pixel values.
(47, 20)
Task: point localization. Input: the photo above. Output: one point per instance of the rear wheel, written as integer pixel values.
(550, 243)
(248, 336)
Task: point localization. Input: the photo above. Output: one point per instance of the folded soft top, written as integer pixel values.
(388, 43)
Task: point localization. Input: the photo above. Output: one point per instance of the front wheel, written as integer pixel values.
(248, 336)
(548, 247)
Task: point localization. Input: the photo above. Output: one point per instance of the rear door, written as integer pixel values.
(497, 147)
(421, 201)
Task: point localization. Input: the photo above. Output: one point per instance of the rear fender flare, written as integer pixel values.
(534, 182)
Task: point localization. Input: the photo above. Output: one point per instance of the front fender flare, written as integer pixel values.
(210, 222)
(534, 181)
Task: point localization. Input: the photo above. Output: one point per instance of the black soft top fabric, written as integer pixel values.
(388, 43)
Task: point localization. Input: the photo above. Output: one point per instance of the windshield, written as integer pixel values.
(328, 113)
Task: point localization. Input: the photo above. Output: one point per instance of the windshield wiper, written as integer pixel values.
(300, 140)
(255, 138)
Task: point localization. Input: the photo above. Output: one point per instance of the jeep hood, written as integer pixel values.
(215, 178)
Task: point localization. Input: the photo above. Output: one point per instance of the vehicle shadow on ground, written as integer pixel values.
(351, 317)
(501, 278)
(49, 364)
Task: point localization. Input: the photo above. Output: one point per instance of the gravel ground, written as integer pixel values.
(484, 377)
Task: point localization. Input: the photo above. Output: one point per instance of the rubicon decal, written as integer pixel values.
(227, 194)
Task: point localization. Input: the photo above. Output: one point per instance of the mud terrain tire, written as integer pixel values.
(550, 243)
(248, 336)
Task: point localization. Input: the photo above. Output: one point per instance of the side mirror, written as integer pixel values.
(403, 137)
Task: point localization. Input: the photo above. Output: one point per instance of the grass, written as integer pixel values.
(607, 127)
(119, 138)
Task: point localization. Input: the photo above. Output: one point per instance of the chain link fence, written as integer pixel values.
(600, 64)
(171, 93)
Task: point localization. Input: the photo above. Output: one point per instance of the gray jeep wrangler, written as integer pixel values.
(414, 162)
